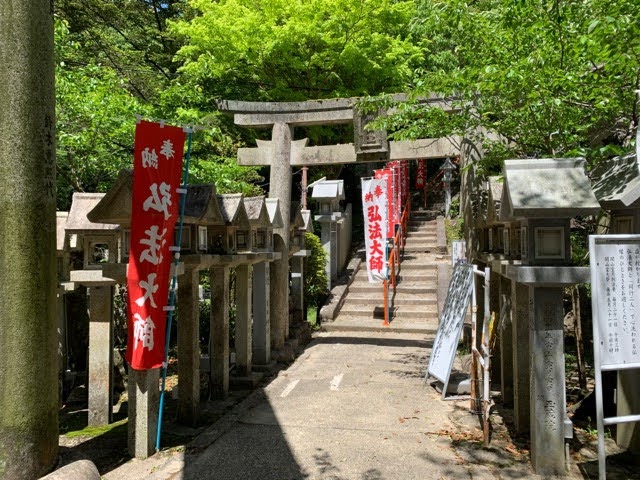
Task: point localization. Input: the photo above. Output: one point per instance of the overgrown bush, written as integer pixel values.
(315, 278)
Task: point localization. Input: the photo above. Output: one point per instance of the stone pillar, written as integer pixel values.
(280, 187)
(189, 348)
(100, 354)
(297, 287)
(29, 392)
(219, 336)
(279, 293)
(243, 320)
(505, 333)
(334, 250)
(261, 314)
(520, 308)
(62, 348)
(144, 398)
(547, 381)
(628, 403)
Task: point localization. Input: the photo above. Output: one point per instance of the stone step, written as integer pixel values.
(422, 248)
(349, 323)
(408, 288)
(363, 298)
(428, 276)
(416, 312)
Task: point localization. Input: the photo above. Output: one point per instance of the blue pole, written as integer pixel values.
(172, 290)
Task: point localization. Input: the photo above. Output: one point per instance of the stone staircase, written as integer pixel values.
(415, 302)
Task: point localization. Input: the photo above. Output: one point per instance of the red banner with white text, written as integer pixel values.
(157, 168)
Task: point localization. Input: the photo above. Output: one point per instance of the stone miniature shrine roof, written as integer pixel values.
(61, 222)
(257, 211)
(233, 211)
(329, 189)
(493, 200)
(81, 205)
(617, 182)
(273, 208)
(201, 205)
(297, 221)
(306, 216)
(546, 188)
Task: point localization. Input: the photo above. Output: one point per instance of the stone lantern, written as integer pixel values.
(235, 235)
(447, 167)
(296, 228)
(327, 195)
(543, 195)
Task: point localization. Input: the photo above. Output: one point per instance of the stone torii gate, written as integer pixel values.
(282, 153)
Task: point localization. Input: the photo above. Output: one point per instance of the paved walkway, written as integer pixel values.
(352, 406)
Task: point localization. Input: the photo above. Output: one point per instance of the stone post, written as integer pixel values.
(494, 308)
(261, 314)
(189, 348)
(506, 344)
(279, 292)
(297, 287)
(243, 320)
(29, 393)
(144, 398)
(547, 381)
(280, 187)
(219, 336)
(520, 308)
(100, 353)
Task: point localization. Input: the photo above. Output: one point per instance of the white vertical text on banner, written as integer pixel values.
(374, 202)
(157, 169)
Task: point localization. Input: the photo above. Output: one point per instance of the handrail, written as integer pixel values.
(399, 240)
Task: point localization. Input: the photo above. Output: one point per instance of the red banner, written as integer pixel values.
(421, 175)
(157, 168)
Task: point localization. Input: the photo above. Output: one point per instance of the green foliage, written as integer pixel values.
(315, 278)
(296, 49)
(454, 229)
(95, 116)
(553, 78)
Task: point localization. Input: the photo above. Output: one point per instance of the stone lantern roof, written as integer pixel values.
(546, 188)
(233, 211)
(78, 220)
(617, 182)
(308, 224)
(257, 211)
(201, 206)
(328, 190)
(297, 220)
(273, 208)
(61, 222)
(494, 193)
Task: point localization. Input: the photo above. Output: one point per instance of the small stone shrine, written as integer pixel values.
(327, 195)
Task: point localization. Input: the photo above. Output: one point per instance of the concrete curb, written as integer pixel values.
(80, 470)
(331, 308)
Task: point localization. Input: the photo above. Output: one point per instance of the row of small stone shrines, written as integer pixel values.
(220, 232)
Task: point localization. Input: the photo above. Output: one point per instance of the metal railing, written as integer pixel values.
(394, 259)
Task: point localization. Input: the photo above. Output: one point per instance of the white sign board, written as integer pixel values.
(450, 326)
(615, 280)
(375, 199)
(458, 252)
(615, 298)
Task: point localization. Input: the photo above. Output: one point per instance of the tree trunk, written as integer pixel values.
(28, 341)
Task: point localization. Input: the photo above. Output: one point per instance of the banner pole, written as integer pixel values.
(172, 290)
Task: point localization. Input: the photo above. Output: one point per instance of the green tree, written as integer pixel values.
(554, 78)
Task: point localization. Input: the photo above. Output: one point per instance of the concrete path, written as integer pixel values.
(352, 406)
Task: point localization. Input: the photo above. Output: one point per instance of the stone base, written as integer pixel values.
(246, 383)
(264, 368)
